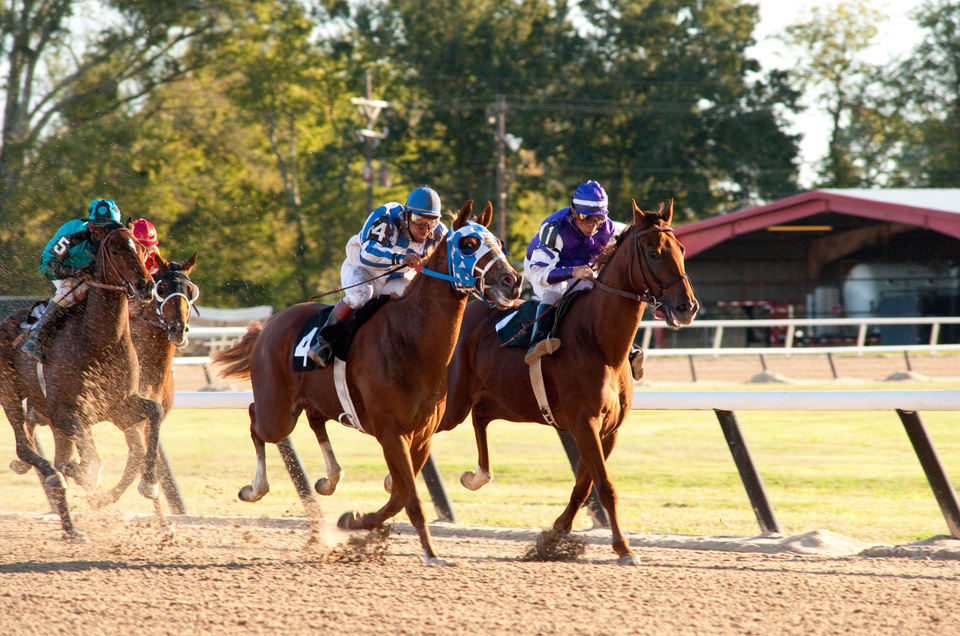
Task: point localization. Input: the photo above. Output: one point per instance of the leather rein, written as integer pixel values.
(126, 288)
(647, 296)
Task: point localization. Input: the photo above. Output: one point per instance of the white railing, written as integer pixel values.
(790, 326)
(660, 400)
(218, 337)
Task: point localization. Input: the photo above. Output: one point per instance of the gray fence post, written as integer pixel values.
(748, 472)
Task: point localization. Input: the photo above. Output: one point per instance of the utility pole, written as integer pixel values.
(370, 108)
(500, 114)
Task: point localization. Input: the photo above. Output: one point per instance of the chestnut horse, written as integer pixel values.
(396, 368)
(158, 329)
(89, 373)
(587, 380)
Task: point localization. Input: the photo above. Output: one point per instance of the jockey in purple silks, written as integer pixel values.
(563, 252)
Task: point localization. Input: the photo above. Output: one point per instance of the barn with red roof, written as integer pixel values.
(832, 252)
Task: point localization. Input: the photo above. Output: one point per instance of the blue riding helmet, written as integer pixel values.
(424, 201)
(103, 211)
(590, 198)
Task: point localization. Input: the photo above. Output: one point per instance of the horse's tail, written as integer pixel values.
(235, 359)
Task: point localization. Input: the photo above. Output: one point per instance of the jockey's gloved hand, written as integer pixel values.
(61, 271)
(412, 259)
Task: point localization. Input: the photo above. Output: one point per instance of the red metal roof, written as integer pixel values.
(932, 208)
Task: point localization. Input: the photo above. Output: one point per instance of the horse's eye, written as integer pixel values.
(468, 245)
(163, 288)
(654, 253)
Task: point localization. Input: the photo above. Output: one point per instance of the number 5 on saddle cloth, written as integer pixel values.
(340, 335)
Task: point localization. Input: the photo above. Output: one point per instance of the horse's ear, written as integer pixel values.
(129, 223)
(162, 263)
(667, 215)
(189, 264)
(637, 213)
(487, 215)
(464, 215)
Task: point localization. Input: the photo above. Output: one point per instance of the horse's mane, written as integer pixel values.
(609, 249)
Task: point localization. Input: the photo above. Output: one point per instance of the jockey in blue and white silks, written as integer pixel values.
(67, 261)
(563, 252)
(393, 234)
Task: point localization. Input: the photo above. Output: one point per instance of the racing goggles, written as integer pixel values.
(590, 219)
(423, 220)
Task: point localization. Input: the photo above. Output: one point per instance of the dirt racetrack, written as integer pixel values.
(243, 576)
(133, 577)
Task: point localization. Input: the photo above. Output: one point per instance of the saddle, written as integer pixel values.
(515, 327)
(340, 336)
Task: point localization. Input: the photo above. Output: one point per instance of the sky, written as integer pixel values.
(898, 36)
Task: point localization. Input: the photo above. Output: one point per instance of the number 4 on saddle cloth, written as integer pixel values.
(340, 335)
(515, 327)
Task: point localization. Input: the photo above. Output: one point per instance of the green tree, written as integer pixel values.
(928, 92)
(63, 72)
(832, 65)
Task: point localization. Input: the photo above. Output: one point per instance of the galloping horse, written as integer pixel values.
(396, 368)
(158, 329)
(587, 381)
(89, 373)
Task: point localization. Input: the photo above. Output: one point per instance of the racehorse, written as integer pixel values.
(587, 380)
(158, 329)
(89, 373)
(395, 371)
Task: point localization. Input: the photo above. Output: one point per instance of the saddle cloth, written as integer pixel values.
(340, 336)
(515, 326)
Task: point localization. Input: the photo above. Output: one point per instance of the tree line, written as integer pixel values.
(229, 123)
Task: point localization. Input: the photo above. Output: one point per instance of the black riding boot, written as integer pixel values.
(321, 352)
(31, 344)
(540, 344)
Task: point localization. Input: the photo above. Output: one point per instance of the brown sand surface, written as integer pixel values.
(242, 576)
(228, 577)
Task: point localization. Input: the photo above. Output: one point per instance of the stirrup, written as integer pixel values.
(540, 349)
(321, 353)
(30, 346)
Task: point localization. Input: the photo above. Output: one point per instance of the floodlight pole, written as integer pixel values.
(500, 113)
(370, 108)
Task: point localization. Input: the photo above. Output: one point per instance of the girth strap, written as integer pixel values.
(343, 393)
(536, 380)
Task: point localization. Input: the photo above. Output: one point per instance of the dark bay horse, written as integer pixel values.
(587, 380)
(158, 329)
(89, 374)
(396, 368)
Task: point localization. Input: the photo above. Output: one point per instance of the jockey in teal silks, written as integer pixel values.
(67, 261)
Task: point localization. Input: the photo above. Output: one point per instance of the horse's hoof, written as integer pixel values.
(348, 521)
(55, 482)
(432, 561)
(148, 490)
(472, 480)
(324, 486)
(74, 536)
(19, 466)
(248, 494)
(388, 483)
(627, 559)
